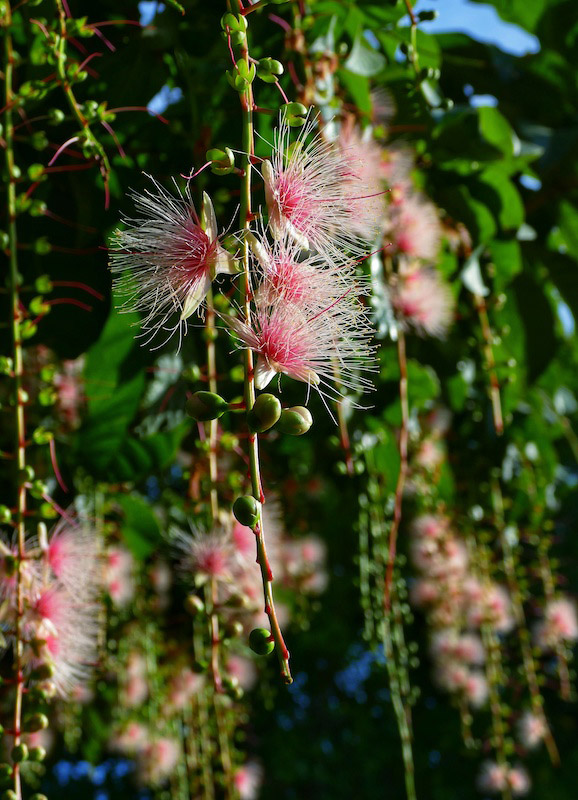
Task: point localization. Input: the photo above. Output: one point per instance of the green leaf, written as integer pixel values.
(568, 222)
(140, 529)
(496, 130)
(363, 59)
(507, 257)
(497, 191)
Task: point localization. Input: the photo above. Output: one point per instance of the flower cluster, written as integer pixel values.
(458, 604)
(324, 205)
(496, 778)
(60, 580)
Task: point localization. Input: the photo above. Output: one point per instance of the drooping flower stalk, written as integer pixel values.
(245, 212)
(19, 395)
(89, 141)
(510, 566)
(490, 363)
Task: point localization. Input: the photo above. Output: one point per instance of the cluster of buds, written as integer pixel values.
(497, 778)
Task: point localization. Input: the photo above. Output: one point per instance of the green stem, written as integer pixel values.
(403, 468)
(89, 140)
(521, 623)
(246, 215)
(18, 396)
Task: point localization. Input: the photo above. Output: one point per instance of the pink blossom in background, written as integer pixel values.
(363, 155)
(248, 780)
(559, 625)
(423, 301)
(414, 227)
(531, 729)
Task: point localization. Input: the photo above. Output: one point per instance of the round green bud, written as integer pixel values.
(43, 284)
(9, 794)
(36, 722)
(204, 406)
(5, 772)
(42, 436)
(5, 515)
(37, 754)
(264, 414)
(246, 510)
(42, 672)
(35, 171)
(38, 489)
(19, 753)
(56, 116)
(295, 421)
(42, 246)
(26, 474)
(194, 605)
(192, 373)
(260, 641)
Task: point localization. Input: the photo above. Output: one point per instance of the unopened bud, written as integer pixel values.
(36, 722)
(295, 421)
(295, 114)
(204, 406)
(37, 754)
(19, 753)
(264, 414)
(260, 641)
(194, 605)
(246, 510)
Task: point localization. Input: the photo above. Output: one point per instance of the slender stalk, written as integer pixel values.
(246, 216)
(490, 363)
(18, 395)
(521, 624)
(89, 139)
(403, 468)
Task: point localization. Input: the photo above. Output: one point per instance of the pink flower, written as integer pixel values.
(414, 227)
(248, 780)
(363, 155)
(166, 259)
(531, 729)
(423, 301)
(493, 777)
(73, 557)
(119, 576)
(559, 624)
(205, 555)
(314, 195)
(519, 781)
(307, 343)
(157, 760)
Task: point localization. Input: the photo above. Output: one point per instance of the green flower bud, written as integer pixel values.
(42, 436)
(35, 171)
(37, 754)
(232, 22)
(264, 414)
(204, 406)
(9, 795)
(5, 515)
(192, 373)
(56, 116)
(5, 772)
(19, 753)
(36, 722)
(42, 246)
(28, 329)
(38, 306)
(194, 605)
(295, 421)
(247, 510)
(268, 69)
(26, 474)
(38, 489)
(6, 365)
(43, 284)
(42, 672)
(295, 114)
(4, 240)
(260, 641)
(39, 796)
(223, 161)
